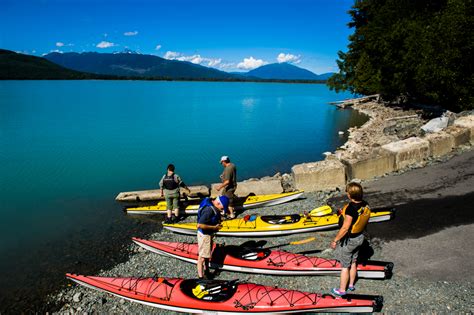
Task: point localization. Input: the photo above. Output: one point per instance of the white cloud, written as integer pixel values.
(196, 59)
(59, 44)
(130, 33)
(171, 55)
(105, 44)
(288, 58)
(214, 62)
(158, 47)
(52, 51)
(251, 63)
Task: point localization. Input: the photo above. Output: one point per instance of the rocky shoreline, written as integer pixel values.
(407, 291)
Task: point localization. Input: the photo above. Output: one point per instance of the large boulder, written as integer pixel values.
(409, 151)
(324, 175)
(441, 143)
(468, 123)
(370, 166)
(436, 124)
(461, 134)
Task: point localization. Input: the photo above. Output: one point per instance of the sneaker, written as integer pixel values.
(231, 216)
(351, 288)
(168, 220)
(336, 292)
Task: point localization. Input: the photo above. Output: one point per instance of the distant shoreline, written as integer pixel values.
(100, 78)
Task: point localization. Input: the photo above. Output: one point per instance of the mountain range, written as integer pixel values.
(130, 64)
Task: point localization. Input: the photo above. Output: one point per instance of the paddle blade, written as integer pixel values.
(321, 211)
(307, 240)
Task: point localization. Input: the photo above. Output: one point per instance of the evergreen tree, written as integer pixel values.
(419, 49)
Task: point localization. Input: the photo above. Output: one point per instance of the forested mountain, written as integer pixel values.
(16, 66)
(420, 50)
(135, 65)
(283, 71)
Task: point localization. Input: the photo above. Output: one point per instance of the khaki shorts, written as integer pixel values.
(204, 245)
(172, 201)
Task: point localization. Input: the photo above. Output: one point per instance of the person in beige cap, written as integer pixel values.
(229, 183)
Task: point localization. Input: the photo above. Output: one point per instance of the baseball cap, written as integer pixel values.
(224, 202)
(224, 158)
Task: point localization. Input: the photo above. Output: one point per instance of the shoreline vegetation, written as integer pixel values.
(432, 287)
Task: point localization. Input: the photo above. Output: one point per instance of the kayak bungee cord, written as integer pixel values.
(287, 295)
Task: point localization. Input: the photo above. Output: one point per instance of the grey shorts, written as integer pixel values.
(348, 251)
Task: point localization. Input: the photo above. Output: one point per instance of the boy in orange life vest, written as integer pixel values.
(170, 184)
(352, 222)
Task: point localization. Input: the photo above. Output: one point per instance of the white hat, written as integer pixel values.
(224, 158)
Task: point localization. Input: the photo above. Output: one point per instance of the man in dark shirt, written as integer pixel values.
(208, 222)
(348, 240)
(229, 183)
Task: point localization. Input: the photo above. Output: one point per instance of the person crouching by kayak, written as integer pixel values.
(352, 222)
(208, 222)
(169, 185)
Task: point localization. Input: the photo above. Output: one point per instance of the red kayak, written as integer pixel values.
(225, 297)
(245, 258)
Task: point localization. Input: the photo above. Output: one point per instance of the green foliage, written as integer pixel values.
(419, 49)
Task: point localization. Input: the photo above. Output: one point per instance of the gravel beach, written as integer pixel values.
(428, 241)
(433, 265)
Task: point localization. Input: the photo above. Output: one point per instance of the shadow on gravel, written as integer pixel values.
(424, 217)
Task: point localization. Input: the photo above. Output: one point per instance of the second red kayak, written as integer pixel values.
(250, 259)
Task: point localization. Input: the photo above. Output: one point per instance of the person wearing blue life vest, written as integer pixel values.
(170, 185)
(347, 242)
(208, 223)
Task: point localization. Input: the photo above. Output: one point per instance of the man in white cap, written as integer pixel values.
(229, 183)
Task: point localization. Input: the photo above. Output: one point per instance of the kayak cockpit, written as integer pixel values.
(249, 253)
(209, 290)
(281, 219)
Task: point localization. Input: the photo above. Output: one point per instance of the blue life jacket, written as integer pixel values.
(215, 218)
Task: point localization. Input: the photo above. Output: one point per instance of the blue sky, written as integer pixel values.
(229, 35)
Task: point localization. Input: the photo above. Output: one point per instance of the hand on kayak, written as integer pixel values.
(219, 226)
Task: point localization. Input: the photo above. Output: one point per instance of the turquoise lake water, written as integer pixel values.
(69, 147)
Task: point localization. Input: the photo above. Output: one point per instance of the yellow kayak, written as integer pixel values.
(192, 206)
(270, 225)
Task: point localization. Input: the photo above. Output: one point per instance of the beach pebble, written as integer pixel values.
(77, 297)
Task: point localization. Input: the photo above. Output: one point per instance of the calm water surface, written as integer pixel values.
(68, 147)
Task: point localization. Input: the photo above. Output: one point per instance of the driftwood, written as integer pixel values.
(353, 101)
(402, 117)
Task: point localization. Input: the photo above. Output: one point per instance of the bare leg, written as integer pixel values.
(176, 212)
(200, 266)
(344, 279)
(168, 213)
(353, 273)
